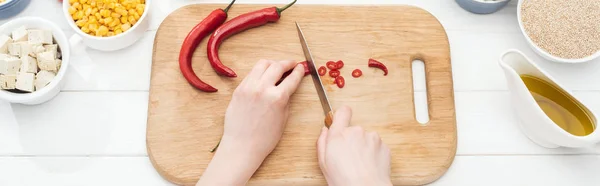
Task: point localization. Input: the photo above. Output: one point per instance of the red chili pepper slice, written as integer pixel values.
(331, 65)
(379, 65)
(339, 64)
(322, 71)
(193, 39)
(340, 82)
(286, 74)
(334, 73)
(236, 25)
(356, 73)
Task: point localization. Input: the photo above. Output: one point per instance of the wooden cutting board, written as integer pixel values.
(184, 124)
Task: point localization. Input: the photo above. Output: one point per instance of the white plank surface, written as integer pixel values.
(93, 133)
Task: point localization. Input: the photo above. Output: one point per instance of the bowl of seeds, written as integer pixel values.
(566, 31)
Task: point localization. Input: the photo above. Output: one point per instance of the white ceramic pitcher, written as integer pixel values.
(534, 123)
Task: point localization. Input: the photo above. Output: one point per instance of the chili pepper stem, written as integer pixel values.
(229, 6)
(279, 10)
(215, 148)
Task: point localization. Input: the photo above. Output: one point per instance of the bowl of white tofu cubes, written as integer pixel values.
(34, 57)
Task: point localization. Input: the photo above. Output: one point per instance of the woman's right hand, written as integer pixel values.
(350, 156)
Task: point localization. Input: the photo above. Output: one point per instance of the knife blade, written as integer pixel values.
(316, 79)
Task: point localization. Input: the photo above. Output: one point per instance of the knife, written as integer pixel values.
(316, 79)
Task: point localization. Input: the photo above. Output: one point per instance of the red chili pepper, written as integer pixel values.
(339, 64)
(379, 65)
(356, 73)
(340, 82)
(193, 39)
(331, 65)
(286, 74)
(322, 71)
(334, 73)
(237, 25)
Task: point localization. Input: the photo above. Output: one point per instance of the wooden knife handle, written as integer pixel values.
(329, 119)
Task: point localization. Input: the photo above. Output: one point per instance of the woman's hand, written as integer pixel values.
(254, 122)
(350, 156)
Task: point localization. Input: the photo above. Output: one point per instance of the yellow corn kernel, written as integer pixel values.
(131, 11)
(115, 15)
(136, 16)
(110, 34)
(80, 23)
(125, 27)
(93, 3)
(88, 11)
(76, 5)
(82, 1)
(72, 1)
(111, 5)
(78, 15)
(101, 21)
(94, 10)
(123, 20)
(85, 30)
(93, 27)
(118, 31)
(86, 6)
(103, 30)
(140, 9)
(72, 10)
(114, 23)
(108, 20)
(92, 19)
(132, 20)
(98, 16)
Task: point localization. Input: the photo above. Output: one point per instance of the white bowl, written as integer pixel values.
(113, 43)
(545, 54)
(52, 89)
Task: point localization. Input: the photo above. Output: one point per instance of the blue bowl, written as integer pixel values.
(12, 7)
(482, 7)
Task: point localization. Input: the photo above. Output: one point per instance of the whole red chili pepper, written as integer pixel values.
(193, 39)
(377, 64)
(237, 25)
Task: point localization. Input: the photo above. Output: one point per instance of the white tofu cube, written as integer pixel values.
(58, 64)
(39, 36)
(4, 56)
(4, 42)
(8, 82)
(20, 34)
(52, 48)
(15, 48)
(43, 78)
(29, 65)
(25, 82)
(28, 49)
(10, 66)
(47, 61)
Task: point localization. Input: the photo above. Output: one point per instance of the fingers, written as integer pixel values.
(276, 70)
(290, 83)
(259, 69)
(341, 119)
(321, 145)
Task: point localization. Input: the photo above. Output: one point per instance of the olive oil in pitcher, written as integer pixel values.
(559, 106)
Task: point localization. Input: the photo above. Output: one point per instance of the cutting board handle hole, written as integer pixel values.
(420, 92)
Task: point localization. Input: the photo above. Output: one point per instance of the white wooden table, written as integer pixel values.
(93, 132)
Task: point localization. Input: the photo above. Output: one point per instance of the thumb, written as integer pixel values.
(341, 119)
(321, 146)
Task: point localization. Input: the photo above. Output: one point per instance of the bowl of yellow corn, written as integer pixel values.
(107, 25)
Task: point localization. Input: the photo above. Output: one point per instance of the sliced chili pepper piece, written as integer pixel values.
(322, 71)
(236, 25)
(356, 73)
(331, 65)
(193, 39)
(379, 65)
(340, 82)
(286, 74)
(339, 64)
(334, 73)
